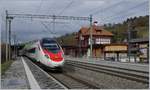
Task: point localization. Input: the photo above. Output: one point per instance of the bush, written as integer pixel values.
(5, 66)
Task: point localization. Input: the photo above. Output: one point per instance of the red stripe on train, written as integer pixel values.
(54, 56)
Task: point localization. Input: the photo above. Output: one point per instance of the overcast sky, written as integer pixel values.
(103, 11)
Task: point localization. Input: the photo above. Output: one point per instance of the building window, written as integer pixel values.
(98, 41)
(102, 41)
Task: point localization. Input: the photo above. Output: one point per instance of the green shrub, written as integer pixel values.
(5, 66)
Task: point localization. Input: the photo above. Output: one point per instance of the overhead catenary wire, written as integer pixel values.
(68, 26)
(47, 28)
(72, 2)
(121, 17)
(39, 7)
(123, 11)
(68, 5)
(48, 17)
(106, 8)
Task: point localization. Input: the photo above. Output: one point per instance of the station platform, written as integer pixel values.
(19, 76)
(23, 74)
(15, 77)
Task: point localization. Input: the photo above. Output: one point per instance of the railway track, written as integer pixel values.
(135, 75)
(44, 80)
(73, 82)
(69, 80)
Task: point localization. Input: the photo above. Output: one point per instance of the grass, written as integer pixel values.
(4, 66)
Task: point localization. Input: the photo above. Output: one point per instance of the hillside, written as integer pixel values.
(139, 29)
(68, 39)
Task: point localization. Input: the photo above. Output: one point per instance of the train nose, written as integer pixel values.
(56, 58)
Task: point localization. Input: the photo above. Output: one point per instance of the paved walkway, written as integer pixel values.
(15, 77)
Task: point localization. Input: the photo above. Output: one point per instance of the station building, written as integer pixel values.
(102, 47)
(115, 51)
(100, 37)
(140, 48)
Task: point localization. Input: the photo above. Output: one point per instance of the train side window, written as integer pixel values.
(31, 50)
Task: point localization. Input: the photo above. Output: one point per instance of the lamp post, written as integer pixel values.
(91, 41)
(129, 37)
(6, 36)
(8, 21)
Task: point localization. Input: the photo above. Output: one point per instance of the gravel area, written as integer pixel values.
(43, 80)
(15, 77)
(104, 81)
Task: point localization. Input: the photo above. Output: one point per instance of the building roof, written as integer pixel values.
(140, 40)
(96, 30)
(116, 44)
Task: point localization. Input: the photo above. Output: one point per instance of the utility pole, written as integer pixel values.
(91, 41)
(6, 36)
(16, 41)
(80, 36)
(9, 22)
(129, 37)
(8, 46)
(15, 46)
(9, 27)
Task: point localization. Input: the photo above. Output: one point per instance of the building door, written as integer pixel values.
(98, 52)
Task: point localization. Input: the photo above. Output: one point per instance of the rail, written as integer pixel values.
(136, 75)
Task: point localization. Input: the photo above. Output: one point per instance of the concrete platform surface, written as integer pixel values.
(15, 77)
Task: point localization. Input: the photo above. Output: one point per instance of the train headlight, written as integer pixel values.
(46, 56)
(63, 55)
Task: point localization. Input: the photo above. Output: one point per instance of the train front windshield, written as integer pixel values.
(51, 46)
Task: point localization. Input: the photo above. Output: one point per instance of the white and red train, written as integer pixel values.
(46, 51)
